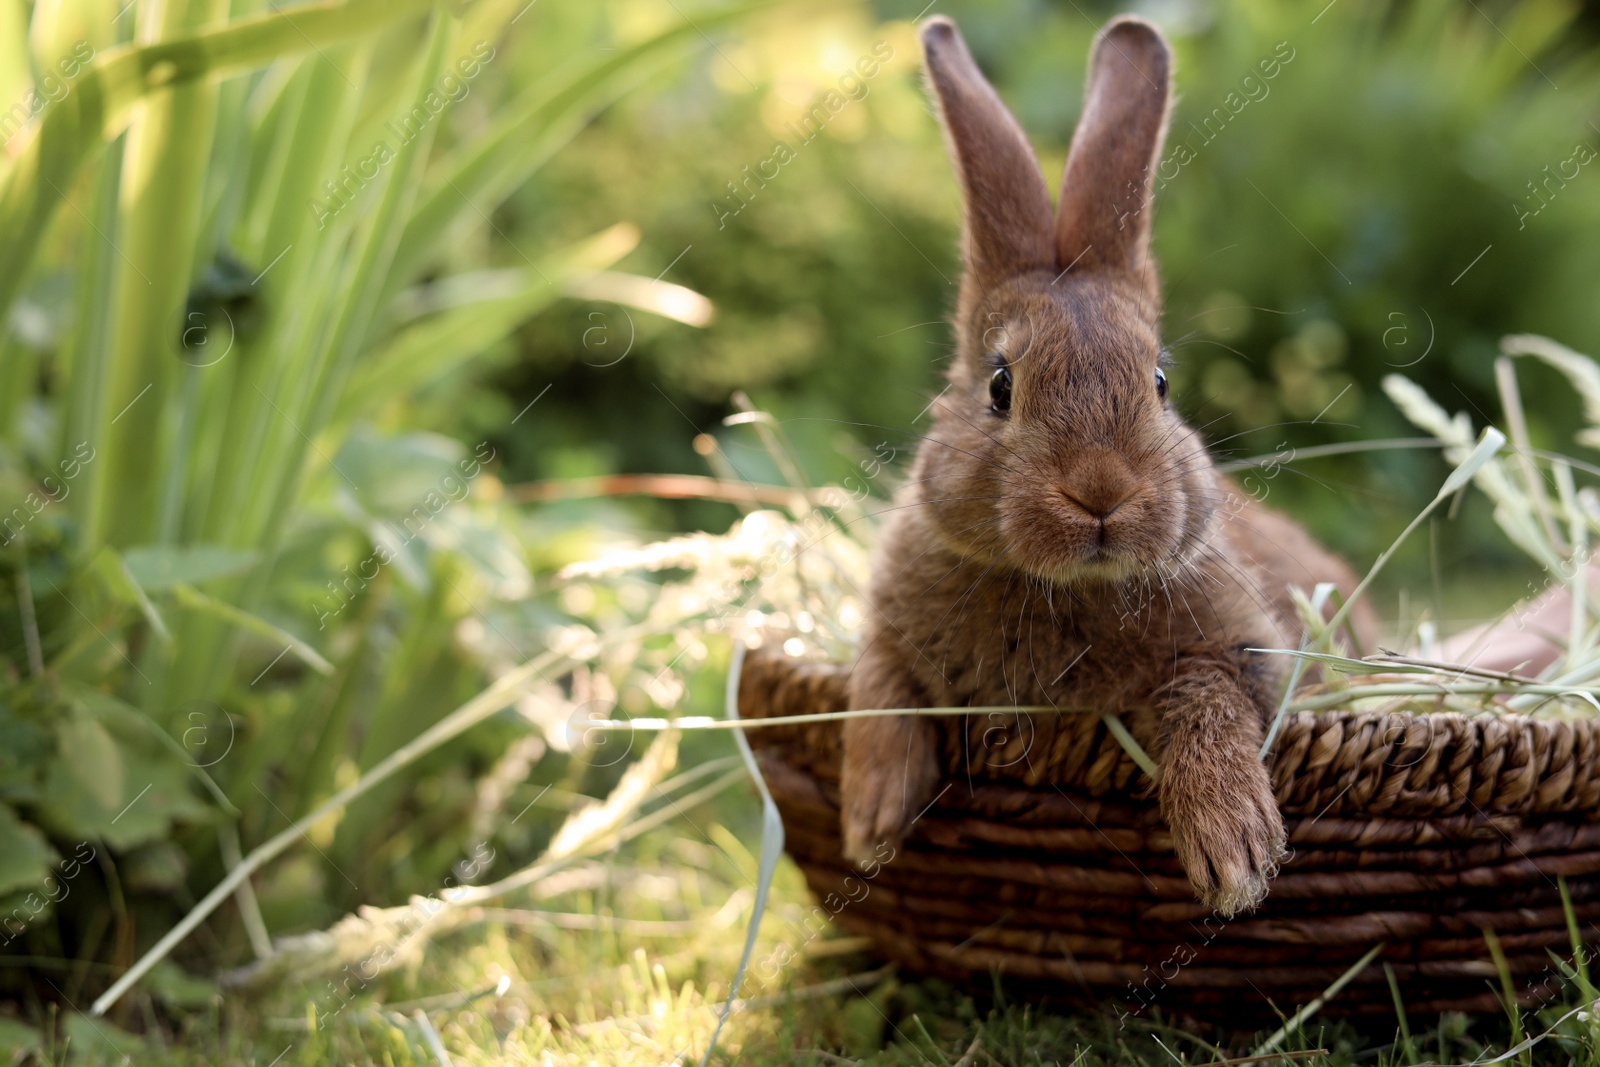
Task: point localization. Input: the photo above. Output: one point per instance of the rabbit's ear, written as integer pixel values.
(1104, 219)
(1008, 219)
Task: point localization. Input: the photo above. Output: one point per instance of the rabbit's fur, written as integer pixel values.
(1086, 525)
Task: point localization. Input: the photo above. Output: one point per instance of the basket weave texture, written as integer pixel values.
(1045, 858)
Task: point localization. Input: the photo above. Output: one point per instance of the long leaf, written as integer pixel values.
(367, 278)
(101, 101)
(433, 346)
(163, 174)
(295, 254)
(192, 598)
(529, 130)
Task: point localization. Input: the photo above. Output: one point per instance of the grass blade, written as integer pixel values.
(358, 299)
(1298, 1019)
(1489, 443)
(501, 694)
(1134, 750)
(194, 599)
(771, 849)
(164, 166)
(1508, 989)
(431, 347)
(1400, 1014)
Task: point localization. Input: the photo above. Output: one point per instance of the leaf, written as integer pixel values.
(175, 988)
(771, 848)
(21, 1041)
(358, 296)
(390, 475)
(676, 302)
(15, 78)
(475, 313)
(160, 567)
(26, 746)
(1348, 665)
(100, 104)
(112, 570)
(159, 866)
(98, 1041)
(92, 756)
(194, 599)
(1491, 442)
(529, 130)
(157, 796)
(25, 855)
(156, 789)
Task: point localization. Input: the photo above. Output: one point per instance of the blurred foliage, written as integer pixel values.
(239, 568)
(1328, 232)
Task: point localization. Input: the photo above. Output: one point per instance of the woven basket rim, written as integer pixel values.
(1344, 763)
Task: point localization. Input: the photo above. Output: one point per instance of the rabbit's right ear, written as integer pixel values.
(1009, 222)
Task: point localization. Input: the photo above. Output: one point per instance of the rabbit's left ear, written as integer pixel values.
(1103, 222)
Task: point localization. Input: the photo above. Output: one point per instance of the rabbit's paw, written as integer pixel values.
(1225, 827)
(889, 770)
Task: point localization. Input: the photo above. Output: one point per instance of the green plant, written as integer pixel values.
(236, 569)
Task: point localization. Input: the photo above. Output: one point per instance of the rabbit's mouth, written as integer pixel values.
(1098, 566)
(1140, 550)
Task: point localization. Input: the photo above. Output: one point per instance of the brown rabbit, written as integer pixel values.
(1060, 512)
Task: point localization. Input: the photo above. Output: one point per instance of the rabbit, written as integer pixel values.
(1064, 539)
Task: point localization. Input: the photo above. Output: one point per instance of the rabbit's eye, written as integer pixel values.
(1161, 383)
(1000, 391)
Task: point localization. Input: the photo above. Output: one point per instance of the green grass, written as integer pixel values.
(624, 958)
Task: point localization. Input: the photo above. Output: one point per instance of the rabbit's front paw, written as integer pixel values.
(1225, 827)
(887, 777)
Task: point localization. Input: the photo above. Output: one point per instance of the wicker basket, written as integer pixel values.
(1046, 859)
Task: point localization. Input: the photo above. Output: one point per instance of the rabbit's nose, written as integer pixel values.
(1097, 505)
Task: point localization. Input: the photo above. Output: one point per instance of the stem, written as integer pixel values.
(706, 722)
(1578, 583)
(1299, 1017)
(30, 621)
(1487, 446)
(1401, 689)
(664, 486)
(249, 907)
(1346, 448)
